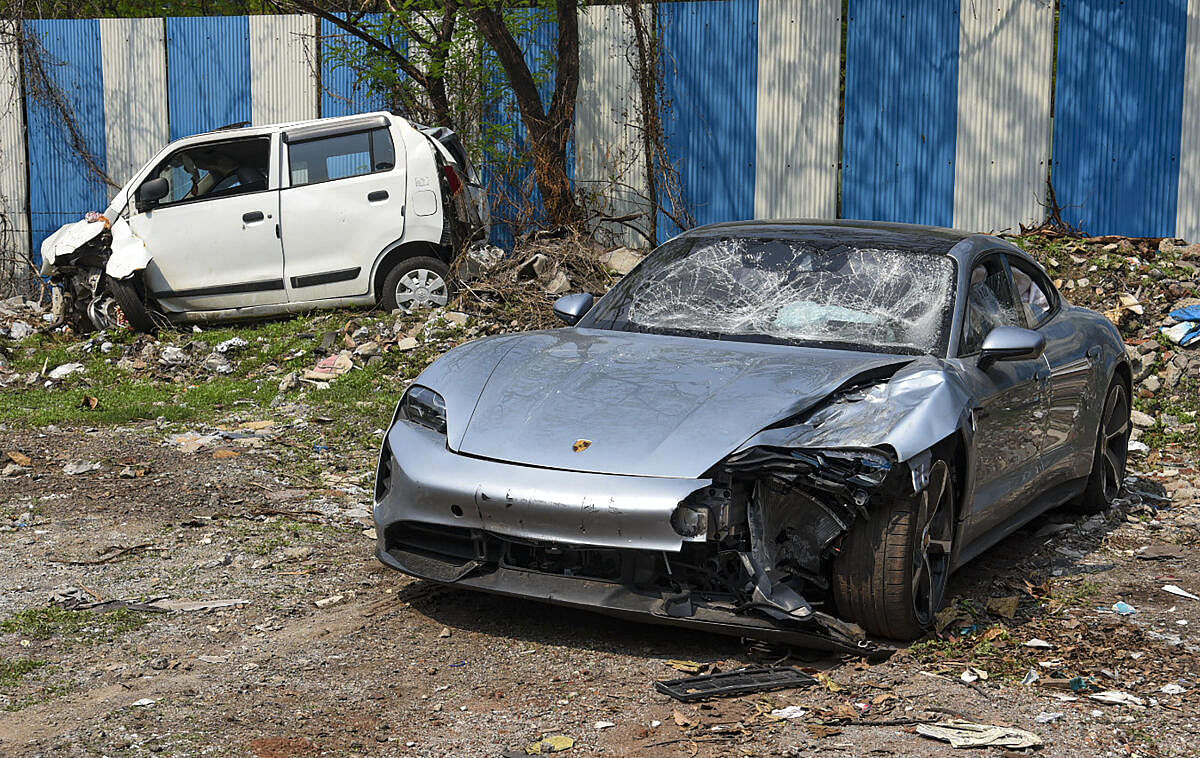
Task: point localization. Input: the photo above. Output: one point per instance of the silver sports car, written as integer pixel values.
(792, 431)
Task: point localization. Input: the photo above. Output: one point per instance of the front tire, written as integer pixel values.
(891, 575)
(413, 283)
(1111, 452)
(125, 292)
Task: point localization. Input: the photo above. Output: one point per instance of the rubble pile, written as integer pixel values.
(518, 290)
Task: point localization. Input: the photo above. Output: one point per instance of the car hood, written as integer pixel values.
(647, 405)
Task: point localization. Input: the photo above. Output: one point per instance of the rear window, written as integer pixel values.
(341, 156)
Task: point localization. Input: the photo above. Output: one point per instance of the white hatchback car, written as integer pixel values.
(257, 221)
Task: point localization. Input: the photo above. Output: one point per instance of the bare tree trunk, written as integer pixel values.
(549, 131)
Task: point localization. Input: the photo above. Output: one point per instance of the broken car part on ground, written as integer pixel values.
(256, 221)
(790, 431)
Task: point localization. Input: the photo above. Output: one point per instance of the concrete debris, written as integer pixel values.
(233, 343)
(965, 734)
(172, 356)
(75, 468)
(622, 260)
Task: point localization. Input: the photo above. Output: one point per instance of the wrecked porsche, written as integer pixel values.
(257, 221)
(790, 431)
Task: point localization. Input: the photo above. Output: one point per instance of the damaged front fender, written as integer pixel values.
(919, 406)
(129, 252)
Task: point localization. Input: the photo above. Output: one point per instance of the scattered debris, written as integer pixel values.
(1124, 609)
(604, 724)
(1116, 697)
(1179, 591)
(962, 734)
(328, 601)
(790, 712)
(1004, 606)
(1035, 642)
(65, 370)
(554, 743)
(328, 369)
(74, 468)
(730, 683)
(1048, 717)
(687, 667)
(1172, 689)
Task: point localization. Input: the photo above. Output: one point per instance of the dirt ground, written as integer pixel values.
(332, 654)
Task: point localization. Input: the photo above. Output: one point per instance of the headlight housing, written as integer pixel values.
(423, 406)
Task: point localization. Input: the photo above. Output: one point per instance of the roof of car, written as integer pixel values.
(802, 227)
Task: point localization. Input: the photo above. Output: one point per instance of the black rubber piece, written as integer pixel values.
(125, 292)
(731, 683)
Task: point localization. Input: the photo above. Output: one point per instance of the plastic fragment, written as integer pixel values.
(554, 743)
(1123, 608)
(1172, 689)
(790, 712)
(962, 734)
(1174, 590)
(1048, 717)
(1030, 677)
(1117, 697)
(1037, 642)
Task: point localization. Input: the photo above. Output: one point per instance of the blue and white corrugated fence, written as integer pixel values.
(951, 113)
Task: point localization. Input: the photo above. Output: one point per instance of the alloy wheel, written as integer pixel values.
(421, 288)
(1114, 441)
(933, 543)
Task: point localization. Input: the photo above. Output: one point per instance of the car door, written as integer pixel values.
(1072, 368)
(212, 239)
(1009, 416)
(343, 205)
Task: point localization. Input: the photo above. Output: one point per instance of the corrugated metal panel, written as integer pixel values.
(900, 111)
(283, 60)
(208, 73)
(61, 187)
(135, 93)
(1187, 215)
(1118, 114)
(14, 190)
(341, 92)
(1003, 145)
(799, 49)
(710, 72)
(609, 158)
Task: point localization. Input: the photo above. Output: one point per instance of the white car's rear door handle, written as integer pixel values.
(252, 216)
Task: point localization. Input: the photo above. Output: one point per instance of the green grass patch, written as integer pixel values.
(83, 626)
(12, 669)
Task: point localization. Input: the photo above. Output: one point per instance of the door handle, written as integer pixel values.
(253, 216)
(377, 196)
(1093, 352)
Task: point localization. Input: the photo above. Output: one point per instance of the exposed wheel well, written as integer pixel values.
(1122, 370)
(401, 252)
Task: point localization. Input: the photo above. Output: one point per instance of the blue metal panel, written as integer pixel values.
(208, 73)
(901, 107)
(61, 186)
(710, 68)
(342, 92)
(1118, 114)
(507, 172)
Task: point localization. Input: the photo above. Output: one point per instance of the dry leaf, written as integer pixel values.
(680, 719)
(1004, 606)
(224, 453)
(89, 403)
(19, 458)
(830, 685)
(820, 731)
(688, 667)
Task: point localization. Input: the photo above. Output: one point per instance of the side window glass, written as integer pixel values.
(990, 304)
(215, 170)
(1032, 298)
(341, 156)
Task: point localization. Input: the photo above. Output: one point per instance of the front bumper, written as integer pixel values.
(498, 527)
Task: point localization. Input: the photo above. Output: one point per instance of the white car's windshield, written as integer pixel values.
(789, 291)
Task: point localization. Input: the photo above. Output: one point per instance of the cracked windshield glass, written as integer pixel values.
(786, 291)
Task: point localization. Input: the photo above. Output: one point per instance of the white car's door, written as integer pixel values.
(342, 204)
(213, 239)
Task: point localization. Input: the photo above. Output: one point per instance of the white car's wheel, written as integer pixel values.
(416, 283)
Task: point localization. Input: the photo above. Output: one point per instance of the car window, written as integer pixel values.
(1032, 293)
(990, 303)
(341, 156)
(217, 169)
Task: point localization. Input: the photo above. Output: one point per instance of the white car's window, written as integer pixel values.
(216, 169)
(341, 156)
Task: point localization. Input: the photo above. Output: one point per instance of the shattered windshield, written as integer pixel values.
(789, 291)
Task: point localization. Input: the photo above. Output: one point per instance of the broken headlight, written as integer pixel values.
(425, 407)
(863, 467)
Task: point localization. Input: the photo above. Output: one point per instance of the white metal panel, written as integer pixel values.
(609, 160)
(14, 189)
(134, 59)
(1187, 211)
(1003, 140)
(283, 62)
(799, 49)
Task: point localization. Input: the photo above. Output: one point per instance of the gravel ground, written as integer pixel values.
(332, 654)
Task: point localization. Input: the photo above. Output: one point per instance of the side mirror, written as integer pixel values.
(1010, 343)
(570, 308)
(151, 192)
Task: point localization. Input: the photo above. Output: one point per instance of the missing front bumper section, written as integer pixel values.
(625, 583)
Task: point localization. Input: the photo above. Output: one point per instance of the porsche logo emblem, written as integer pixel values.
(581, 445)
